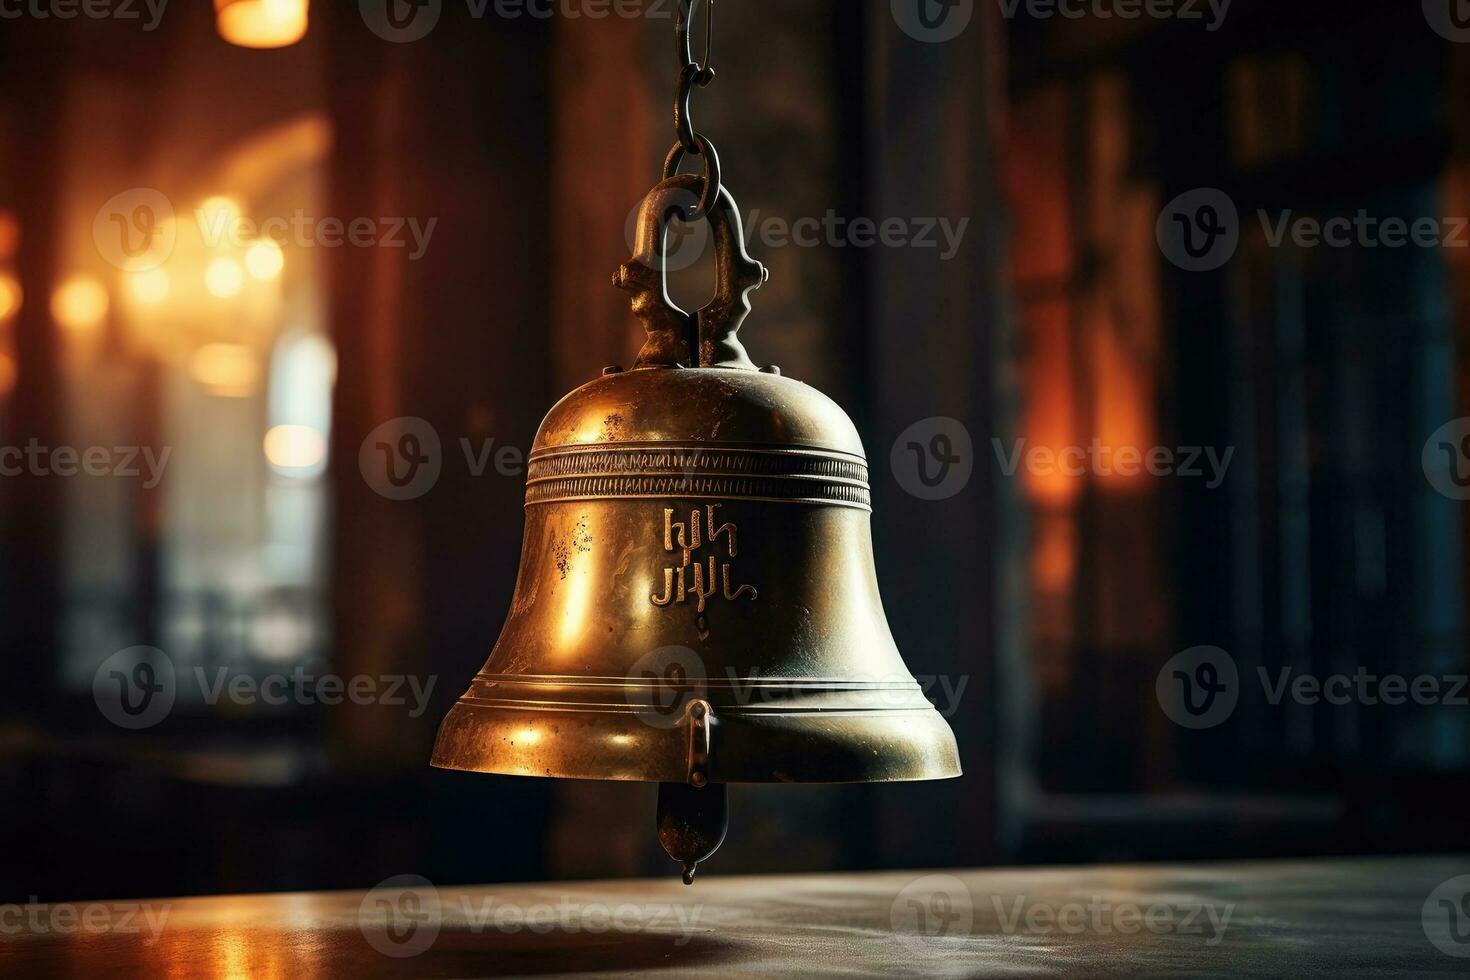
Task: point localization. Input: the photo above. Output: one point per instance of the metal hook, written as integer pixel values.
(683, 29)
(691, 73)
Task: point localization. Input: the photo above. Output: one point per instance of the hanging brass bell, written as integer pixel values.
(697, 603)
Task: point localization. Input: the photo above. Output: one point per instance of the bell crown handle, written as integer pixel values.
(706, 338)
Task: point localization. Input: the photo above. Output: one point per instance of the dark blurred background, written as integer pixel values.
(1050, 602)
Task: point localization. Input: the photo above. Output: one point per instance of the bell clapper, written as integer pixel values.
(692, 822)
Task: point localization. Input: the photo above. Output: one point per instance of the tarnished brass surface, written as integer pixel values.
(763, 479)
(697, 534)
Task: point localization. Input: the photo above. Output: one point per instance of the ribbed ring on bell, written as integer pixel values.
(783, 475)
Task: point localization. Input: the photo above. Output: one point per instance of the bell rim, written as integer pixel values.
(810, 746)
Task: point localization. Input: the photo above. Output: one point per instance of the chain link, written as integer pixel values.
(694, 74)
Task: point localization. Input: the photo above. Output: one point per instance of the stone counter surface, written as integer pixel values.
(1379, 917)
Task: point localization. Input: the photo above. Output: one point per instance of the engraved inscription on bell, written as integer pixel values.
(711, 573)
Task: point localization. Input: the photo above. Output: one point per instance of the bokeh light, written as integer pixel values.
(224, 278)
(295, 450)
(11, 296)
(262, 23)
(265, 260)
(227, 370)
(80, 304)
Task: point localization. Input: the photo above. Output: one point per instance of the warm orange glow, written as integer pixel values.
(294, 448)
(1053, 553)
(9, 235)
(265, 260)
(1124, 406)
(10, 296)
(80, 305)
(7, 374)
(261, 23)
(227, 370)
(224, 278)
(149, 287)
(1050, 406)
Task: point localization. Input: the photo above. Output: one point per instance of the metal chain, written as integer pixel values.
(694, 74)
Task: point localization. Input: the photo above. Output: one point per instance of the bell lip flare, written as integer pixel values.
(755, 744)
